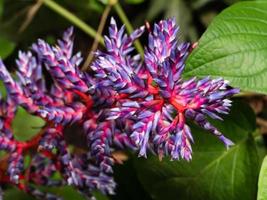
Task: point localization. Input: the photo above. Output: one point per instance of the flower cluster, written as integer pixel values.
(124, 102)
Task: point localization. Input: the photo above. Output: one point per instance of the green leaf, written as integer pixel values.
(99, 196)
(181, 10)
(26, 125)
(262, 184)
(2, 89)
(97, 5)
(155, 8)
(1, 7)
(6, 47)
(234, 47)
(14, 193)
(260, 145)
(214, 172)
(134, 1)
(130, 190)
(67, 193)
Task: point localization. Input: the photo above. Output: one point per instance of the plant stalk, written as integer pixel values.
(128, 26)
(74, 19)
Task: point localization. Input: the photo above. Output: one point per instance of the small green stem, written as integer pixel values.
(128, 26)
(73, 19)
(99, 31)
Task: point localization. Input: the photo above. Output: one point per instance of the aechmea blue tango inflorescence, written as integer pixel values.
(123, 103)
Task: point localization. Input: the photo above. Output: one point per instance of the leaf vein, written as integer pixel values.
(222, 57)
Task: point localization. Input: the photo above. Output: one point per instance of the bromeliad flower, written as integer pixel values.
(153, 97)
(124, 103)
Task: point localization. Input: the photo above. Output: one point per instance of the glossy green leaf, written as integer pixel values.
(26, 125)
(262, 184)
(214, 172)
(6, 47)
(234, 47)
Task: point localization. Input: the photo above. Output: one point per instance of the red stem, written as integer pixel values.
(87, 99)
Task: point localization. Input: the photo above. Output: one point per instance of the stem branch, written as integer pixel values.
(74, 19)
(99, 31)
(128, 26)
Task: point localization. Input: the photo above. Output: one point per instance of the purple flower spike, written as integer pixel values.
(124, 102)
(58, 63)
(14, 90)
(66, 44)
(30, 76)
(156, 100)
